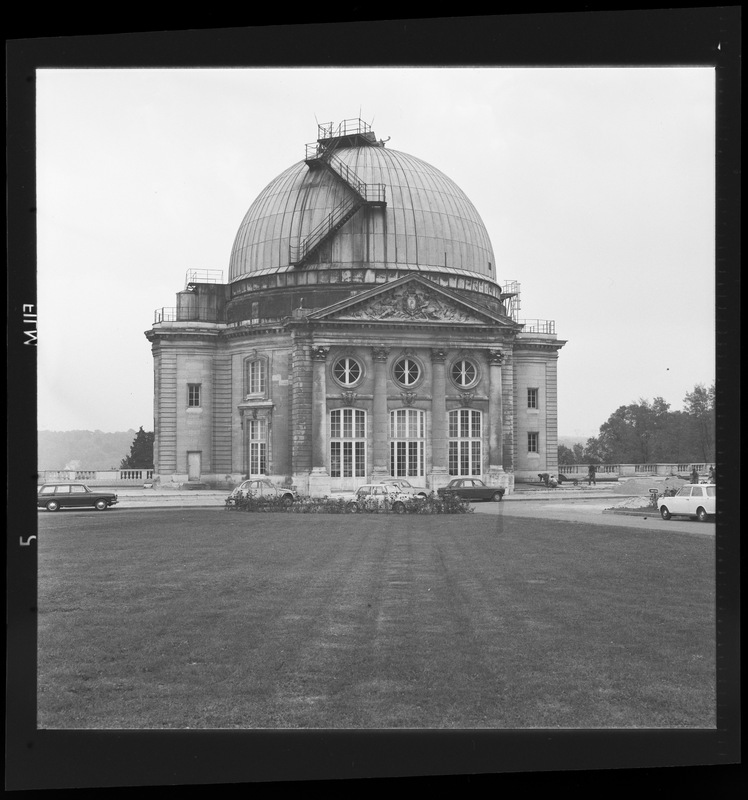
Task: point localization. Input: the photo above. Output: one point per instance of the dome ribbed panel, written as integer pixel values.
(428, 222)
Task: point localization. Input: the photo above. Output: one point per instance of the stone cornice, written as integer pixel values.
(540, 347)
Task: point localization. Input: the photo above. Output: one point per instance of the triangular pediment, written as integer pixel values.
(411, 299)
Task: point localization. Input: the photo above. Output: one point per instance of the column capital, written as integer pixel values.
(380, 353)
(438, 355)
(319, 353)
(495, 357)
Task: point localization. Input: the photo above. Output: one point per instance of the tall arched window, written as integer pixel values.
(347, 443)
(465, 442)
(407, 442)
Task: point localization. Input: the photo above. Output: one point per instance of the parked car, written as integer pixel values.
(380, 494)
(691, 500)
(406, 487)
(471, 489)
(263, 488)
(54, 496)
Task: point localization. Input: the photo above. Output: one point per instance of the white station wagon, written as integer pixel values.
(697, 500)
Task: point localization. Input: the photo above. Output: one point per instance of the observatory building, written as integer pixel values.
(362, 334)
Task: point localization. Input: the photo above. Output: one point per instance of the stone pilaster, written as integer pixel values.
(495, 416)
(439, 475)
(380, 422)
(319, 479)
(301, 412)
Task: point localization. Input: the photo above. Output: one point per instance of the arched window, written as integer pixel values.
(407, 442)
(347, 443)
(465, 442)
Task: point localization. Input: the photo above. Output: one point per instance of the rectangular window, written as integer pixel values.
(532, 443)
(257, 458)
(532, 398)
(193, 395)
(257, 376)
(475, 458)
(347, 459)
(257, 429)
(360, 463)
(258, 448)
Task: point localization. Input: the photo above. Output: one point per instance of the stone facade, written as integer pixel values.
(329, 375)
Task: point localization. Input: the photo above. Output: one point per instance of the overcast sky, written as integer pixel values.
(596, 187)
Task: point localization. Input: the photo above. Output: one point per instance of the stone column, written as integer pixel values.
(495, 415)
(319, 479)
(439, 475)
(380, 422)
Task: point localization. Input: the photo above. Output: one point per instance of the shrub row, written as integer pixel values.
(328, 505)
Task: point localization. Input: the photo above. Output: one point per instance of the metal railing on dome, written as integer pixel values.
(334, 220)
(203, 276)
(328, 130)
(371, 192)
(547, 326)
(165, 315)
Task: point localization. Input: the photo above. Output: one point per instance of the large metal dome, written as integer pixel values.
(428, 223)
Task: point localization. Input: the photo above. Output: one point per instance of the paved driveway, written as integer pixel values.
(592, 512)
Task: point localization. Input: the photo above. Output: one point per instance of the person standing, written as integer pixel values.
(591, 475)
(694, 475)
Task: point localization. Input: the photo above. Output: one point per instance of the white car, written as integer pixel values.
(263, 488)
(380, 494)
(406, 487)
(697, 500)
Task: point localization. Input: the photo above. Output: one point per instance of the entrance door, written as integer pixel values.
(193, 465)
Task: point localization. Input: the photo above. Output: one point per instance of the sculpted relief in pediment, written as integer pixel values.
(410, 304)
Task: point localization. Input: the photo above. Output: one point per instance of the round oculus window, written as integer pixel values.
(407, 371)
(346, 371)
(464, 373)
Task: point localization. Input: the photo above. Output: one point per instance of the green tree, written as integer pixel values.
(645, 432)
(565, 456)
(594, 452)
(141, 451)
(699, 406)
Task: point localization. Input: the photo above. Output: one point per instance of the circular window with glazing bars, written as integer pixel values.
(407, 371)
(464, 373)
(347, 371)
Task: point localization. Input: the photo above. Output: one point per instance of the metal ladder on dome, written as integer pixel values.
(319, 155)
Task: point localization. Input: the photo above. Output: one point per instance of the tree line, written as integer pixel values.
(649, 432)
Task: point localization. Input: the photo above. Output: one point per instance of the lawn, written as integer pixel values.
(208, 619)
